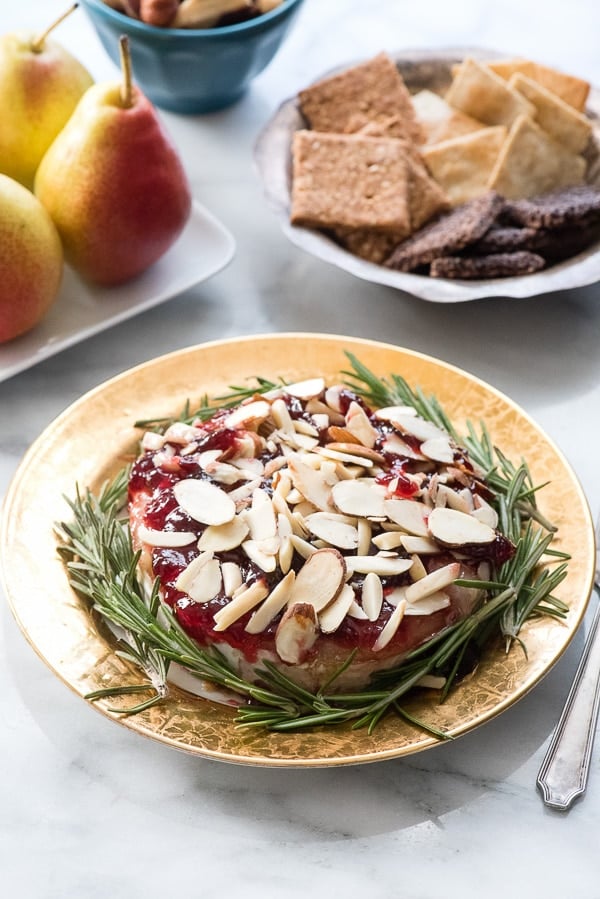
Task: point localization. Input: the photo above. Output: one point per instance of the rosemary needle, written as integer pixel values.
(103, 567)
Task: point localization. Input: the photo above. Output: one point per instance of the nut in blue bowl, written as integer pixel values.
(194, 70)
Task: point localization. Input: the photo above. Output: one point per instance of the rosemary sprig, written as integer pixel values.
(103, 567)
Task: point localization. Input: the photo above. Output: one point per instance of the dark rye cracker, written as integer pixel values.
(447, 235)
(506, 240)
(555, 210)
(496, 265)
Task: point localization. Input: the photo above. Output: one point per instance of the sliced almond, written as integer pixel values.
(152, 441)
(310, 483)
(306, 390)
(484, 512)
(357, 450)
(221, 537)
(305, 428)
(331, 617)
(365, 532)
(320, 579)
(333, 530)
(260, 517)
(360, 498)
(428, 606)
(272, 605)
(164, 538)
(333, 397)
(424, 546)
(240, 495)
(357, 612)
(439, 449)
(432, 583)
(417, 427)
(186, 577)
(255, 550)
(391, 626)
(281, 416)
(182, 433)
(248, 415)
(296, 633)
(388, 540)
(286, 554)
(454, 528)
(318, 407)
(389, 413)
(232, 577)
(409, 514)
(417, 570)
(342, 435)
(207, 583)
(357, 422)
(381, 565)
(204, 502)
(372, 595)
(244, 601)
(303, 547)
(346, 458)
(398, 447)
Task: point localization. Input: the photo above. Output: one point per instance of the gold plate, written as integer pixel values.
(92, 439)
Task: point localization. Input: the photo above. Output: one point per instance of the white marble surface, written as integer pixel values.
(88, 809)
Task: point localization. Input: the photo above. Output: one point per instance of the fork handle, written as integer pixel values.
(563, 774)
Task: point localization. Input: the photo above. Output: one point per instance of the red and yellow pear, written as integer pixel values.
(40, 86)
(113, 183)
(31, 260)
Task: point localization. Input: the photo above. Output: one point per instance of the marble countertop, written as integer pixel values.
(88, 809)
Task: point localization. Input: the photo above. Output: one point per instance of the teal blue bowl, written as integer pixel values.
(194, 70)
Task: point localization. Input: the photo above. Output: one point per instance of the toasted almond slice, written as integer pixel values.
(304, 427)
(359, 498)
(186, 577)
(432, 583)
(310, 483)
(394, 444)
(164, 538)
(357, 422)
(438, 449)
(207, 583)
(424, 546)
(388, 540)
(392, 625)
(255, 551)
(244, 601)
(320, 579)
(357, 449)
(317, 407)
(409, 514)
(454, 528)
(372, 595)
(417, 427)
(484, 512)
(365, 532)
(296, 633)
(303, 547)
(232, 577)
(389, 413)
(222, 537)
(306, 390)
(346, 458)
(385, 567)
(260, 517)
(204, 502)
(417, 570)
(332, 616)
(330, 528)
(272, 605)
(342, 435)
(248, 415)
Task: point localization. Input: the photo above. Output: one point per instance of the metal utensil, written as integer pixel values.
(562, 777)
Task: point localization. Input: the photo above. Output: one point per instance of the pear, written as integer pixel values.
(113, 183)
(40, 85)
(31, 260)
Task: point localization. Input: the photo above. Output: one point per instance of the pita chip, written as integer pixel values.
(569, 127)
(483, 95)
(463, 166)
(530, 163)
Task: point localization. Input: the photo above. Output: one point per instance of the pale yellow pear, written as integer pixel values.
(40, 86)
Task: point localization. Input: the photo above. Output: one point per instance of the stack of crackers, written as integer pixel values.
(375, 164)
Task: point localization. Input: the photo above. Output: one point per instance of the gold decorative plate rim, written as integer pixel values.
(94, 436)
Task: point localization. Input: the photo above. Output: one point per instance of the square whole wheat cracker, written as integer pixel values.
(480, 93)
(367, 92)
(531, 162)
(439, 120)
(569, 88)
(463, 165)
(350, 181)
(563, 123)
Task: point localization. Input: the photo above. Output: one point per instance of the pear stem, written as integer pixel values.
(127, 83)
(37, 45)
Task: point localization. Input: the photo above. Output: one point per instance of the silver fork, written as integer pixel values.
(563, 774)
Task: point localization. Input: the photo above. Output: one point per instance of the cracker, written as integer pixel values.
(373, 246)
(569, 88)
(557, 118)
(480, 93)
(367, 92)
(504, 239)
(439, 120)
(463, 165)
(449, 234)
(350, 181)
(557, 209)
(496, 265)
(532, 163)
